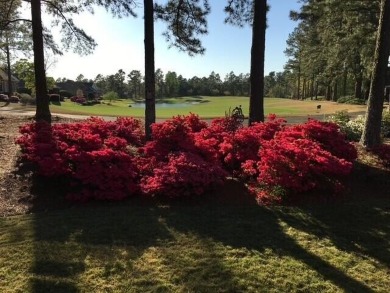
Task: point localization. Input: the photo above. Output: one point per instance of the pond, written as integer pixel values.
(163, 105)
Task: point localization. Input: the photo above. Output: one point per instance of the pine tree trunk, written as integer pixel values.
(335, 91)
(328, 92)
(42, 99)
(256, 101)
(299, 83)
(371, 136)
(150, 91)
(312, 88)
(345, 77)
(358, 86)
(9, 74)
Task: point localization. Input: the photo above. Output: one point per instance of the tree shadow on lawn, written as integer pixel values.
(65, 234)
(63, 242)
(258, 228)
(60, 251)
(358, 222)
(362, 229)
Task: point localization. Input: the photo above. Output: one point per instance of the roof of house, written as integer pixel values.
(73, 86)
(4, 76)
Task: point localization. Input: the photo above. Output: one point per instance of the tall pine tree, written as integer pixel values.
(372, 128)
(253, 12)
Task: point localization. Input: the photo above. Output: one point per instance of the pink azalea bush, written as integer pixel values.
(299, 158)
(177, 166)
(93, 154)
(183, 174)
(186, 156)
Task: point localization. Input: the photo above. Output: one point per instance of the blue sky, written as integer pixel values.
(120, 45)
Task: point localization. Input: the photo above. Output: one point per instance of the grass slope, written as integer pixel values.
(210, 248)
(207, 107)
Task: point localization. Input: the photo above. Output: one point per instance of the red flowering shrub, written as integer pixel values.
(176, 165)
(329, 136)
(245, 143)
(93, 154)
(105, 174)
(110, 160)
(300, 158)
(173, 135)
(183, 174)
(78, 100)
(298, 164)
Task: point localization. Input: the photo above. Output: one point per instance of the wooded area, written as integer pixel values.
(331, 51)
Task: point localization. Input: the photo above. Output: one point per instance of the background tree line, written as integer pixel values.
(170, 84)
(331, 47)
(185, 20)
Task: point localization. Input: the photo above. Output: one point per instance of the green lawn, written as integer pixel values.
(206, 107)
(127, 247)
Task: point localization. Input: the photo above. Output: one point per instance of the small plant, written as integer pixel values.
(111, 96)
(26, 99)
(351, 100)
(386, 124)
(352, 128)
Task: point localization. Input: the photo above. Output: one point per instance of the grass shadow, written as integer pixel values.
(61, 239)
(53, 286)
(254, 228)
(4, 103)
(355, 233)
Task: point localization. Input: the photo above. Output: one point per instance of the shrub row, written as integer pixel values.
(353, 128)
(187, 157)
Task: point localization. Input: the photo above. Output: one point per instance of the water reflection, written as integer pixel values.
(164, 105)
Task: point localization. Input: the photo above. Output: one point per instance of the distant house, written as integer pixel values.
(4, 82)
(89, 89)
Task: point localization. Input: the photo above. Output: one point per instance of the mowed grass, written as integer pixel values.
(341, 247)
(206, 107)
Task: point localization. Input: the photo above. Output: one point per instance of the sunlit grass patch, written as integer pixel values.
(205, 107)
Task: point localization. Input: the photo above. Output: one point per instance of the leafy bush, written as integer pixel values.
(78, 100)
(23, 90)
(239, 144)
(353, 128)
(111, 96)
(183, 174)
(177, 165)
(93, 155)
(299, 158)
(386, 124)
(111, 160)
(55, 98)
(26, 99)
(351, 100)
(65, 94)
(14, 99)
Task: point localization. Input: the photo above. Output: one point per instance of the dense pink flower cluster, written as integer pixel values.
(183, 174)
(93, 154)
(177, 165)
(78, 100)
(187, 156)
